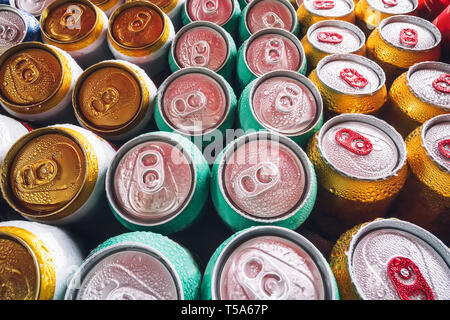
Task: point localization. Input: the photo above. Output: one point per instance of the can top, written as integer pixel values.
(286, 102)
(126, 271)
(361, 147)
(33, 7)
(430, 82)
(329, 8)
(265, 177)
(435, 138)
(393, 259)
(216, 11)
(350, 74)
(336, 36)
(262, 14)
(13, 28)
(409, 33)
(393, 6)
(271, 263)
(31, 73)
(201, 44)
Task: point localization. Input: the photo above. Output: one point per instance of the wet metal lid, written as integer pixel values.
(13, 28)
(394, 6)
(329, 8)
(34, 7)
(436, 140)
(216, 11)
(262, 14)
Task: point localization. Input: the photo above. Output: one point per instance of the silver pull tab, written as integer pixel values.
(8, 32)
(185, 104)
(289, 98)
(274, 51)
(210, 6)
(258, 179)
(200, 54)
(272, 20)
(151, 173)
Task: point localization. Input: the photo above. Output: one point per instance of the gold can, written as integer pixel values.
(170, 7)
(401, 41)
(108, 6)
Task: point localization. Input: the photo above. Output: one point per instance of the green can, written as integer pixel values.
(268, 263)
(196, 103)
(225, 13)
(136, 266)
(263, 178)
(268, 50)
(157, 182)
(262, 14)
(283, 101)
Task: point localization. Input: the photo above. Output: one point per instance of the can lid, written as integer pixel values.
(435, 138)
(271, 263)
(13, 28)
(394, 259)
(33, 7)
(329, 8)
(350, 74)
(336, 36)
(409, 33)
(262, 14)
(216, 11)
(361, 147)
(430, 82)
(393, 6)
(126, 271)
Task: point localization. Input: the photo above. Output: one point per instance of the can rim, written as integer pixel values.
(303, 80)
(5, 7)
(91, 261)
(196, 24)
(413, 20)
(336, 23)
(286, 3)
(281, 32)
(375, 122)
(308, 7)
(395, 224)
(101, 3)
(287, 234)
(233, 3)
(354, 58)
(166, 137)
(15, 4)
(33, 45)
(282, 140)
(22, 242)
(181, 72)
(425, 127)
(414, 2)
(423, 65)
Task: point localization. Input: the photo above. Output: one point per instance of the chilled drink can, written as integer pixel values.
(10, 131)
(108, 6)
(430, 9)
(33, 7)
(172, 8)
(442, 22)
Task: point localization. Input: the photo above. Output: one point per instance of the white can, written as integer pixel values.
(10, 131)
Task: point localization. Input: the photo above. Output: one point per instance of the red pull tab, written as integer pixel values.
(330, 37)
(390, 3)
(354, 78)
(442, 83)
(354, 142)
(409, 37)
(323, 4)
(400, 268)
(444, 147)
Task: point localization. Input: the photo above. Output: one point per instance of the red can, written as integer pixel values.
(430, 9)
(442, 22)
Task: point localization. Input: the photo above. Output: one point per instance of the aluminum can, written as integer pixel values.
(418, 95)
(108, 6)
(425, 199)
(17, 26)
(402, 41)
(269, 50)
(37, 260)
(36, 83)
(172, 8)
(263, 178)
(136, 266)
(442, 22)
(157, 182)
(33, 7)
(268, 263)
(430, 9)
(262, 14)
(285, 102)
(10, 131)
(114, 99)
(77, 27)
(360, 162)
(196, 103)
(225, 13)
(204, 44)
(330, 37)
(369, 13)
(312, 11)
(350, 83)
(391, 259)
(294, 3)
(141, 33)
(55, 174)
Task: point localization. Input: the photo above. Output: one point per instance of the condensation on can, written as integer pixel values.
(34, 8)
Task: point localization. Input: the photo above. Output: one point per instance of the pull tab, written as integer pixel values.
(107, 99)
(274, 51)
(444, 148)
(258, 179)
(409, 37)
(25, 69)
(288, 98)
(330, 37)
(323, 4)
(442, 83)
(353, 141)
(272, 20)
(8, 32)
(200, 54)
(71, 18)
(390, 3)
(186, 104)
(210, 6)
(151, 172)
(353, 78)
(400, 268)
(140, 21)
(37, 174)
